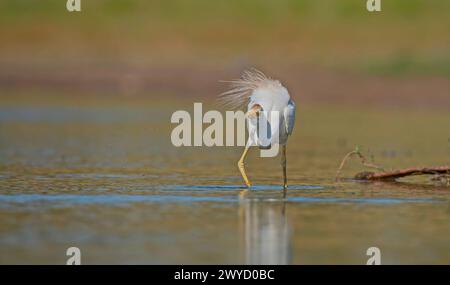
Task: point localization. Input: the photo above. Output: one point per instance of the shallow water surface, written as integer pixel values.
(105, 178)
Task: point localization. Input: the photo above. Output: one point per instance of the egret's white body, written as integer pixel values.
(264, 97)
(274, 100)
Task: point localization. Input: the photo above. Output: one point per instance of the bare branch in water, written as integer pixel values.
(390, 175)
(441, 173)
(356, 152)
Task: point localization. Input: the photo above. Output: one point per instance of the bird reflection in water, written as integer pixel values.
(265, 229)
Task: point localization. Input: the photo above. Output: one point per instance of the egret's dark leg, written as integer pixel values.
(283, 164)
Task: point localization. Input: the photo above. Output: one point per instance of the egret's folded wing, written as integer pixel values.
(289, 116)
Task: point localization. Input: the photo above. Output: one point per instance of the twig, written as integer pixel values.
(364, 162)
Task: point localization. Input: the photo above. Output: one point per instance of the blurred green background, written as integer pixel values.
(184, 46)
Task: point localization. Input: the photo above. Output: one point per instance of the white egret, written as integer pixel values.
(266, 97)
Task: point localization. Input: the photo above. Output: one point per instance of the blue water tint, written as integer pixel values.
(291, 187)
(64, 114)
(361, 200)
(102, 176)
(238, 187)
(118, 199)
(106, 199)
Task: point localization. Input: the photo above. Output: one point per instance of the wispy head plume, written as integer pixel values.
(241, 89)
